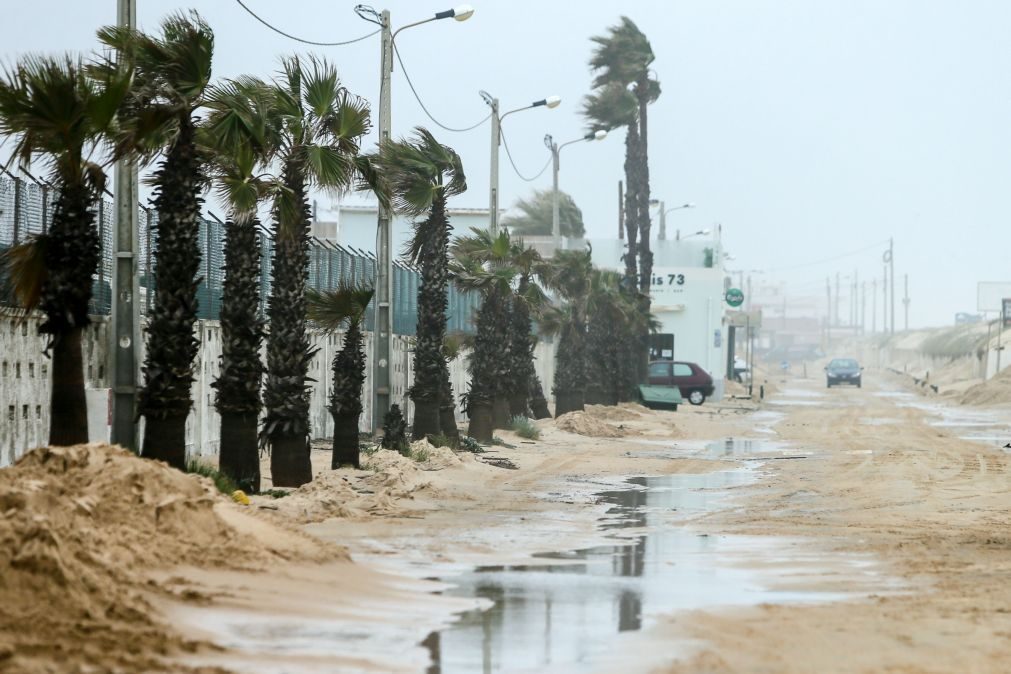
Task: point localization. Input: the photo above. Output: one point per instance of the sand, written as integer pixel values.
(103, 549)
(81, 527)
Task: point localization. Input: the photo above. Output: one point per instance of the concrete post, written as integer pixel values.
(382, 354)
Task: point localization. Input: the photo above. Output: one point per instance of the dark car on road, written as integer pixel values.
(694, 383)
(843, 371)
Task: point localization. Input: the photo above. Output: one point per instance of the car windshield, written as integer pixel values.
(843, 363)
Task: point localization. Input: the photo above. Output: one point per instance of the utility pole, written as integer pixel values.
(556, 225)
(856, 298)
(663, 221)
(836, 314)
(884, 301)
(891, 266)
(874, 306)
(749, 293)
(905, 301)
(828, 311)
(863, 307)
(496, 139)
(621, 210)
(124, 329)
(382, 353)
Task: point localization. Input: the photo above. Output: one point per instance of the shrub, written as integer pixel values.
(224, 483)
(524, 427)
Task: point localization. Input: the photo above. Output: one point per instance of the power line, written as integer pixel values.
(829, 259)
(298, 39)
(418, 98)
(516, 170)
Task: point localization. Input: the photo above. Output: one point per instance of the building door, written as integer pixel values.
(661, 347)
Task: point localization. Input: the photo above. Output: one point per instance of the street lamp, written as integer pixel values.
(556, 150)
(382, 347)
(701, 232)
(664, 212)
(496, 140)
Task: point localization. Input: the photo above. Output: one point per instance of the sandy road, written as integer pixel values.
(935, 509)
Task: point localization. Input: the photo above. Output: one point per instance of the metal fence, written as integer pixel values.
(26, 208)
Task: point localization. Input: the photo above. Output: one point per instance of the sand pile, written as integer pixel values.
(992, 392)
(387, 479)
(80, 526)
(611, 413)
(586, 423)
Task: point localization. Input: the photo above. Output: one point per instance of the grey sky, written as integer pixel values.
(808, 128)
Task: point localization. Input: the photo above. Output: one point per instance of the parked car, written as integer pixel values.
(843, 371)
(694, 383)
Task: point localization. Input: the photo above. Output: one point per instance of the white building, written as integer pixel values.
(687, 296)
(355, 226)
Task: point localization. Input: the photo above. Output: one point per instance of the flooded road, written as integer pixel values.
(565, 609)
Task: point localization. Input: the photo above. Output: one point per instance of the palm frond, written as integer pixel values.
(24, 272)
(330, 309)
(416, 169)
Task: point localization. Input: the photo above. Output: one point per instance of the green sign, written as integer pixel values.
(734, 297)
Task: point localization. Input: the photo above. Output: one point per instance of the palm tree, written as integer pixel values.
(535, 215)
(318, 126)
(331, 309)
(420, 174)
(483, 263)
(568, 274)
(528, 297)
(612, 323)
(612, 106)
(171, 75)
(56, 113)
(621, 62)
(236, 139)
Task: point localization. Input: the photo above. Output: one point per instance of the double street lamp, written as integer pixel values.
(382, 352)
(496, 140)
(663, 218)
(556, 151)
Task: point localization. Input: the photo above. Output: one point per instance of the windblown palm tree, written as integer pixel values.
(420, 175)
(621, 62)
(237, 143)
(528, 298)
(171, 75)
(332, 309)
(535, 215)
(613, 322)
(318, 126)
(57, 114)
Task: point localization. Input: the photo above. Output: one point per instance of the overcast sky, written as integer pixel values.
(808, 128)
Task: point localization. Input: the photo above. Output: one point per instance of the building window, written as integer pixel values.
(10, 413)
(31, 370)
(24, 411)
(38, 411)
(5, 368)
(17, 370)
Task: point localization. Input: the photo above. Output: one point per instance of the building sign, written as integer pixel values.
(734, 297)
(671, 285)
(745, 319)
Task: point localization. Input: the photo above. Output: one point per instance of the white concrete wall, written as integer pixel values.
(25, 384)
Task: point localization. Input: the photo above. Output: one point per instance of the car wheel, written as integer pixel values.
(828, 383)
(859, 384)
(696, 397)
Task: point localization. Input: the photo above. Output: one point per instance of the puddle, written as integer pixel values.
(748, 447)
(879, 421)
(565, 609)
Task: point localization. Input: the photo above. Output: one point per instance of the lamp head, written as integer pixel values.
(460, 13)
(600, 134)
(550, 102)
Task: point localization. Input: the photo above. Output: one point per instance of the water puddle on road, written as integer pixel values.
(564, 609)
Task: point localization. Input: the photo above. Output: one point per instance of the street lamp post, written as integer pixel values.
(496, 140)
(556, 151)
(663, 215)
(382, 353)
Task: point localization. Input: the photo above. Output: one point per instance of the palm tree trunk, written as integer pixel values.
(427, 418)
(538, 403)
(68, 416)
(345, 441)
(447, 409)
(480, 428)
(429, 361)
(239, 455)
(290, 464)
(285, 397)
(500, 412)
(165, 439)
(166, 399)
(631, 204)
